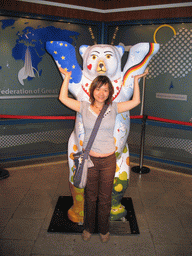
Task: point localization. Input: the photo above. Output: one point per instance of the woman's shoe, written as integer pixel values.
(86, 236)
(105, 238)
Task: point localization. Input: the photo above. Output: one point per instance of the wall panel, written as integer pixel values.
(23, 48)
(169, 13)
(114, 4)
(168, 86)
(181, 12)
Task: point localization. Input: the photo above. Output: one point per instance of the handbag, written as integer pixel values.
(82, 159)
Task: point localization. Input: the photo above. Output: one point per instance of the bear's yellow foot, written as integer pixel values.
(76, 212)
(76, 217)
(118, 212)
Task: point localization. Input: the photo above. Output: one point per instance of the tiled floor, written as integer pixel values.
(162, 201)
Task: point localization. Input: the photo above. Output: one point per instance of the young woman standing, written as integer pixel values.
(101, 175)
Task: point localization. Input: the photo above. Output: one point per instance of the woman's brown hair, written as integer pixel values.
(98, 82)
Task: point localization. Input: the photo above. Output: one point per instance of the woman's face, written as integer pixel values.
(101, 94)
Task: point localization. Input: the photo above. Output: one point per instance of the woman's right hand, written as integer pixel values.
(63, 95)
(65, 72)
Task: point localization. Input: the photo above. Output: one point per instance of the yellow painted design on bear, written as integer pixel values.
(71, 156)
(115, 207)
(81, 213)
(79, 198)
(115, 180)
(81, 143)
(75, 147)
(122, 115)
(78, 190)
(123, 176)
(117, 168)
(119, 188)
(125, 150)
(128, 161)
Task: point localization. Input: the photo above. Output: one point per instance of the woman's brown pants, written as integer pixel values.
(99, 186)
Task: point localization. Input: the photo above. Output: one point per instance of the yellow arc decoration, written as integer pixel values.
(165, 25)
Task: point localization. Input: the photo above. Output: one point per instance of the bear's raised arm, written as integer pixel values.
(139, 57)
(65, 56)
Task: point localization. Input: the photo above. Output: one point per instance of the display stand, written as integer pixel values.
(142, 169)
(3, 174)
(60, 223)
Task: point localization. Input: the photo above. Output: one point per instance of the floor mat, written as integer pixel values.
(60, 222)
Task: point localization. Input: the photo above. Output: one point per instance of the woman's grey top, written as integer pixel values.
(104, 140)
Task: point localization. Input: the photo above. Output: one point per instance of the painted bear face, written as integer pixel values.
(101, 60)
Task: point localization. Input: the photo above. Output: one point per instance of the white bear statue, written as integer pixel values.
(102, 59)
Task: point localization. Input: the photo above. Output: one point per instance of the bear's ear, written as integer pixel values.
(120, 49)
(82, 49)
